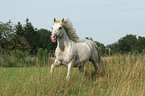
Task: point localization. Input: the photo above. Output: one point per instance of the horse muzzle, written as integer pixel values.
(53, 38)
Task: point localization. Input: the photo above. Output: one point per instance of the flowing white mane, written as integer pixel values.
(70, 31)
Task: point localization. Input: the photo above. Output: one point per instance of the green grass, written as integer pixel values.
(121, 75)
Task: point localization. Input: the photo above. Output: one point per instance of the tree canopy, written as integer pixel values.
(129, 43)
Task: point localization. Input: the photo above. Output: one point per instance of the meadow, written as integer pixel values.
(119, 75)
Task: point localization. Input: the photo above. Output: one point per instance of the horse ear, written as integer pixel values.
(62, 20)
(54, 20)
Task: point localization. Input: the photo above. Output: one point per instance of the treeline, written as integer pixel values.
(29, 39)
(25, 38)
(128, 44)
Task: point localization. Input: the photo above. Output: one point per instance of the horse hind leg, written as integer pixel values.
(95, 62)
(81, 70)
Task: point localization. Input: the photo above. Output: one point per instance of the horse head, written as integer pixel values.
(58, 30)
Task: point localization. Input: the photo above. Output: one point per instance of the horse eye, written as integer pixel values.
(59, 28)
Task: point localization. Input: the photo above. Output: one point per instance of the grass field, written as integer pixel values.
(121, 75)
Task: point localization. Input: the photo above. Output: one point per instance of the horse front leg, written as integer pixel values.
(70, 68)
(56, 63)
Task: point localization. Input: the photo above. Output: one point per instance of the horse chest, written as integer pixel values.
(63, 56)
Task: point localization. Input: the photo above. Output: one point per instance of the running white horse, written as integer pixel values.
(70, 50)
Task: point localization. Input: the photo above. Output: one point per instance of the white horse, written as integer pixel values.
(70, 50)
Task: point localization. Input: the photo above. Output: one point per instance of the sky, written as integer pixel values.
(106, 21)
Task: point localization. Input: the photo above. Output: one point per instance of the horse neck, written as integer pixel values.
(63, 42)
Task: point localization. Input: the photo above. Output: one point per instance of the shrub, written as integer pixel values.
(42, 57)
(17, 55)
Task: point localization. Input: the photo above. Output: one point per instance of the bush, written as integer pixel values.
(42, 57)
(17, 55)
(5, 61)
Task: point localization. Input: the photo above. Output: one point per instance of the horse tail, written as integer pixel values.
(99, 57)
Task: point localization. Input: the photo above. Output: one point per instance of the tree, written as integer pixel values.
(6, 30)
(9, 40)
(20, 30)
(45, 41)
(20, 43)
(31, 36)
(28, 33)
(113, 48)
(140, 45)
(35, 38)
(6, 33)
(127, 43)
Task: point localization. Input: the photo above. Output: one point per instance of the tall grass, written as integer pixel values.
(121, 75)
(17, 58)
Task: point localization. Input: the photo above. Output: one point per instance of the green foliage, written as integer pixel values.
(6, 33)
(31, 36)
(140, 45)
(11, 41)
(127, 44)
(19, 29)
(44, 40)
(6, 61)
(20, 43)
(17, 55)
(89, 38)
(42, 57)
(35, 38)
(6, 30)
(16, 58)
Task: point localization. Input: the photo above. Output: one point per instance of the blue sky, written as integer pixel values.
(105, 21)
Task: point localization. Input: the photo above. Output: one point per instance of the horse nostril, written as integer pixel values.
(54, 36)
